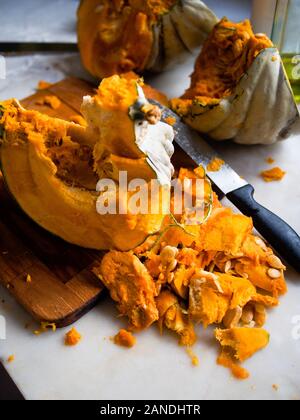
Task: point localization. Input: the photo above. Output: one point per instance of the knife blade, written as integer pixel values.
(8, 389)
(276, 231)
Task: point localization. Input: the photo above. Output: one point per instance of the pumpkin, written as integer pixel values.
(173, 316)
(224, 231)
(243, 341)
(51, 166)
(131, 286)
(239, 89)
(116, 36)
(212, 295)
(131, 136)
(210, 274)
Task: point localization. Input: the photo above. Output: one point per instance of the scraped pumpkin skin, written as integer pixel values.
(51, 168)
(131, 286)
(128, 140)
(116, 36)
(172, 315)
(209, 301)
(239, 89)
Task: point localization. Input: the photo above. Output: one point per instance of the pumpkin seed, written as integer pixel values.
(228, 266)
(168, 254)
(250, 325)
(260, 35)
(173, 265)
(233, 317)
(275, 262)
(274, 273)
(248, 315)
(171, 277)
(261, 243)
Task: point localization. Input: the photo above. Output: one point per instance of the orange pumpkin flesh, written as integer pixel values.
(226, 56)
(116, 36)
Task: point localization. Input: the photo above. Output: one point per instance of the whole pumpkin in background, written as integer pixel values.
(239, 89)
(118, 36)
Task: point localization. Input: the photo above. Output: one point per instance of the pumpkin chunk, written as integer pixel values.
(125, 339)
(215, 165)
(172, 315)
(243, 341)
(206, 304)
(11, 358)
(131, 286)
(275, 174)
(130, 135)
(212, 295)
(72, 338)
(225, 359)
(259, 275)
(224, 231)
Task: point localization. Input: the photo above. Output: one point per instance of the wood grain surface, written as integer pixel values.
(62, 286)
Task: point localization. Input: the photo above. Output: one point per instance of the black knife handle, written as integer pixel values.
(277, 232)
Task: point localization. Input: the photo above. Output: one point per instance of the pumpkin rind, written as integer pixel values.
(126, 136)
(244, 341)
(48, 167)
(259, 109)
(154, 34)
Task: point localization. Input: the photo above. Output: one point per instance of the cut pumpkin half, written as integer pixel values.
(239, 89)
(52, 167)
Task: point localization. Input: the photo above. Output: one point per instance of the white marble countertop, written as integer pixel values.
(156, 368)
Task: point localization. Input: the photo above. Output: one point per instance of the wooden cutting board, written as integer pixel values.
(63, 288)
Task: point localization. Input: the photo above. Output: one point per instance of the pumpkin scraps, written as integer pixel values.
(213, 274)
(72, 338)
(274, 174)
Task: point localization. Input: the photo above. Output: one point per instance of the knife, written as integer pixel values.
(276, 231)
(8, 389)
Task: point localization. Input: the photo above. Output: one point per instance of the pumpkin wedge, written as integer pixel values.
(131, 136)
(51, 166)
(239, 89)
(119, 36)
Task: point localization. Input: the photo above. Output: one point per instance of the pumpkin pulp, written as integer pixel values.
(123, 38)
(62, 143)
(226, 56)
